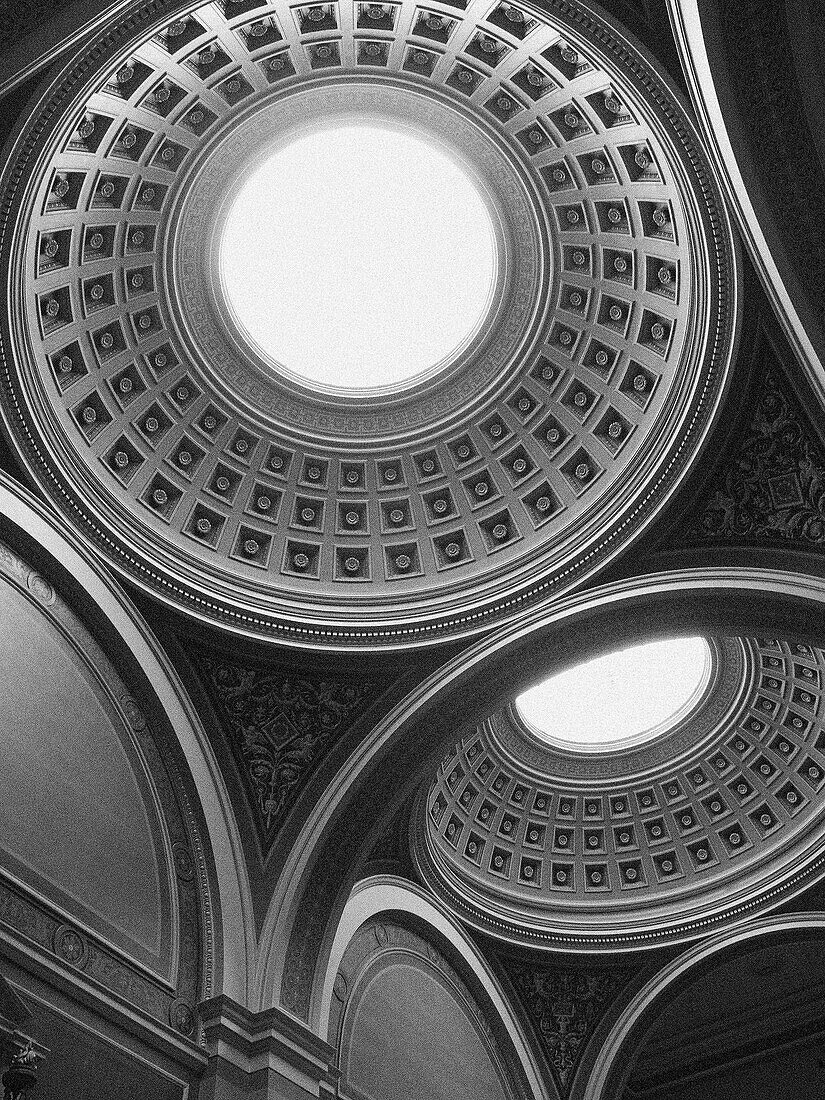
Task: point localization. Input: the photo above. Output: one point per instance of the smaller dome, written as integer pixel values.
(533, 842)
(620, 699)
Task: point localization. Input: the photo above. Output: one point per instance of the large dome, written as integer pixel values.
(513, 462)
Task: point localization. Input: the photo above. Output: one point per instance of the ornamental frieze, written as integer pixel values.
(773, 486)
(564, 1006)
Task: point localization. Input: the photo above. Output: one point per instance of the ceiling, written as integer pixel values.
(348, 592)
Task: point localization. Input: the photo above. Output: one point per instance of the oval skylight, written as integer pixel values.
(359, 257)
(619, 699)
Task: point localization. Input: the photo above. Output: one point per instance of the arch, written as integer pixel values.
(33, 530)
(386, 895)
(613, 1054)
(298, 931)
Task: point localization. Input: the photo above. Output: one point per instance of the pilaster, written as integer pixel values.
(263, 1056)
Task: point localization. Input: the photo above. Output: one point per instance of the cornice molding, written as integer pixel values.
(250, 1030)
(259, 1051)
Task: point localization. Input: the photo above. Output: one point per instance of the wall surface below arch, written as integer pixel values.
(72, 812)
(411, 1036)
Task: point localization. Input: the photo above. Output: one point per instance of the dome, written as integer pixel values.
(619, 849)
(247, 426)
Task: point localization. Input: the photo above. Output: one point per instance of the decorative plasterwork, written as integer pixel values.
(773, 486)
(658, 843)
(279, 726)
(564, 1005)
(247, 501)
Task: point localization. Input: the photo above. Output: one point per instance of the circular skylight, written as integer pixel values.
(359, 256)
(620, 699)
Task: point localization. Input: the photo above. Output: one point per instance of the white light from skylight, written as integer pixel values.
(359, 256)
(619, 699)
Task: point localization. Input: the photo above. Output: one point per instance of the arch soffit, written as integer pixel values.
(31, 528)
(387, 895)
(46, 32)
(626, 1031)
(460, 692)
(702, 63)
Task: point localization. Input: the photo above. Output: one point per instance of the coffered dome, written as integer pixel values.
(387, 508)
(715, 816)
